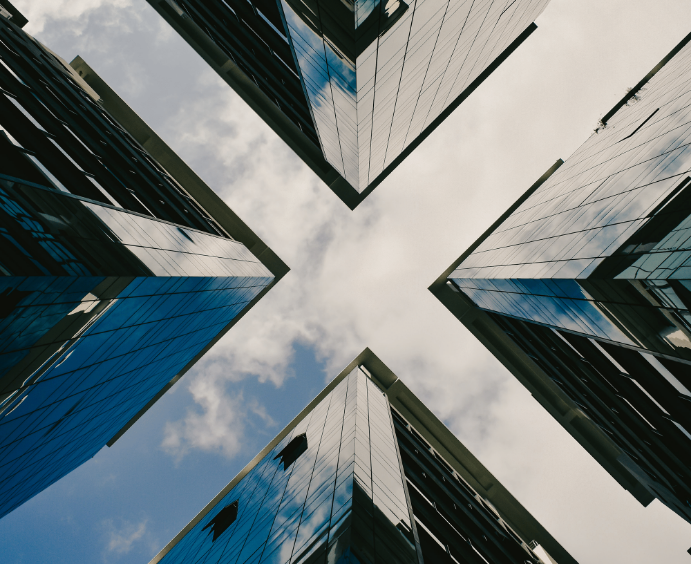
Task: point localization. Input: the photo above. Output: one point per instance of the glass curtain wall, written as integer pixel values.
(603, 247)
(113, 279)
(377, 74)
(100, 309)
(331, 491)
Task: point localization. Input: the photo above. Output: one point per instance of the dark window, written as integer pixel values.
(292, 451)
(224, 519)
(9, 298)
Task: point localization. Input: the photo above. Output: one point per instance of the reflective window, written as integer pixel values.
(363, 78)
(603, 246)
(74, 145)
(99, 309)
(375, 82)
(341, 497)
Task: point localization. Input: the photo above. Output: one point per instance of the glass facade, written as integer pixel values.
(253, 36)
(602, 248)
(372, 94)
(55, 132)
(342, 500)
(455, 524)
(350, 481)
(86, 341)
(590, 276)
(639, 401)
(373, 75)
(113, 279)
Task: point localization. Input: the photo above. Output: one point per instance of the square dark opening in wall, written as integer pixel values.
(223, 519)
(9, 299)
(292, 451)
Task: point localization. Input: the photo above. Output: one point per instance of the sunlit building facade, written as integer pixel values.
(365, 473)
(119, 268)
(353, 87)
(583, 288)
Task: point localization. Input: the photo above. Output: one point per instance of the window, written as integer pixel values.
(142, 203)
(223, 519)
(26, 114)
(102, 190)
(682, 429)
(78, 139)
(9, 299)
(46, 107)
(7, 134)
(54, 181)
(639, 127)
(666, 374)
(59, 148)
(8, 69)
(292, 451)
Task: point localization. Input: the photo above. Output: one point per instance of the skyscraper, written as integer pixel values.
(353, 86)
(120, 267)
(582, 288)
(365, 473)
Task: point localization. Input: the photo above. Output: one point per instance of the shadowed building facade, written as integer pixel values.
(119, 268)
(353, 86)
(365, 473)
(583, 288)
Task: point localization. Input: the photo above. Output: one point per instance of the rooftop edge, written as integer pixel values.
(631, 93)
(18, 18)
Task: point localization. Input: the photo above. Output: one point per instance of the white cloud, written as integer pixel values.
(120, 539)
(358, 278)
(217, 427)
(218, 423)
(69, 12)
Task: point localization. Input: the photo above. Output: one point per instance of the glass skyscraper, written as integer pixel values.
(365, 473)
(353, 86)
(583, 288)
(119, 268)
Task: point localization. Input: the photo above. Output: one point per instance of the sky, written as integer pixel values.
(358, 279)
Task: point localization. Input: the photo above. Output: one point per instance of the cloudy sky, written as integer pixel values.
(358, 279)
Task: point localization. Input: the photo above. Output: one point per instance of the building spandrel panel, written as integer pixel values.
(352, 480)
(376, 76)
(114, 279)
